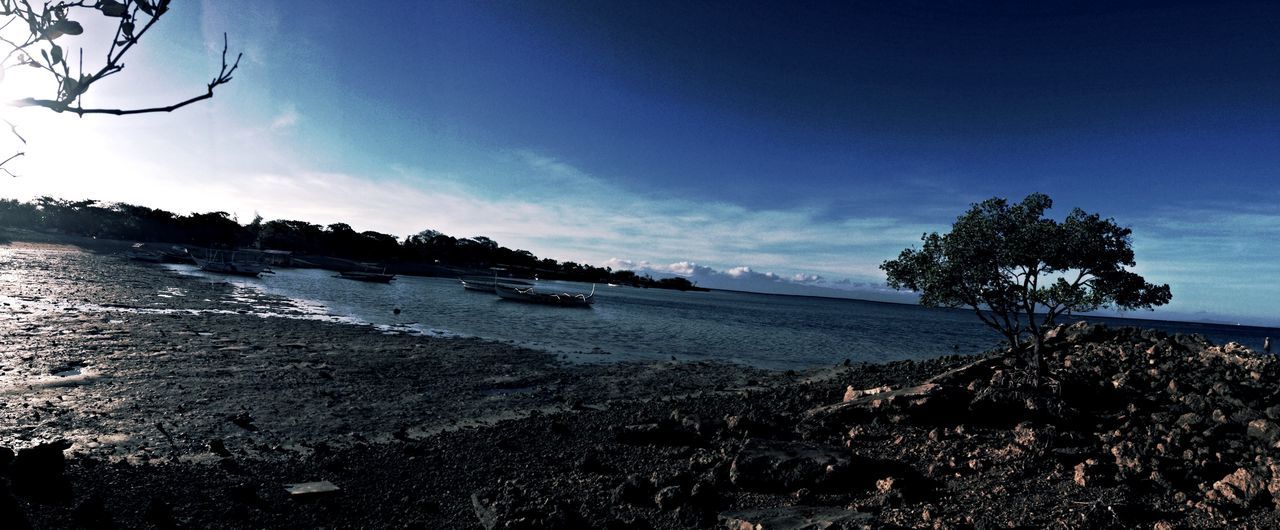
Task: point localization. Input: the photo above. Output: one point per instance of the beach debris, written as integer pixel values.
(68, 369)
(217, 447)
(244, 421)
(311, 489)
(921, 401)
(167, 436)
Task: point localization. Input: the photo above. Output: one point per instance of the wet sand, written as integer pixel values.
(137, 365)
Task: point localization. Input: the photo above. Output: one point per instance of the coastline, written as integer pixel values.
(198, 414)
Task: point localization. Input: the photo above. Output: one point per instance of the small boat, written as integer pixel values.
(146, 256)
(151, 254)
(527, 294)
(490, 284)
(226, 263)
(364, 276)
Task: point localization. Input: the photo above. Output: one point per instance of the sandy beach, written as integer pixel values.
(135, 397)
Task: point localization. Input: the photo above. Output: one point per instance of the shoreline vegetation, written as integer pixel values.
(427, 253)
(128, 410)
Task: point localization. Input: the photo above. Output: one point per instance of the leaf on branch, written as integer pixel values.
(63, 27)
(146, 7)
(72, 88)
(127, 29)
(112, 8)
(56, 53)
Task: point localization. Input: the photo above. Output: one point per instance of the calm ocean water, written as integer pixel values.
(648, 324)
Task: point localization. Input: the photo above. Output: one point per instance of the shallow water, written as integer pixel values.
(650, 324)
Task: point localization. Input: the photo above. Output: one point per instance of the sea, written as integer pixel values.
(634, 324)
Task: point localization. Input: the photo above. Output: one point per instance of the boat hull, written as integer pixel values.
(490, 285)
(371, 277)
(527, 295)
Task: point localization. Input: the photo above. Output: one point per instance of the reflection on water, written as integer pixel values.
(762, 330)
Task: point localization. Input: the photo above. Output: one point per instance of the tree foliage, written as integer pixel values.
(1019, 271)
(425, 251)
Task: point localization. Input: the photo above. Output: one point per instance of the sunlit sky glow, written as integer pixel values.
(781, 149)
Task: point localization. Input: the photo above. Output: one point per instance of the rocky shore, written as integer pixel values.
(212, 407)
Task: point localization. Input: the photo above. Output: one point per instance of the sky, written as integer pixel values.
(784, 147)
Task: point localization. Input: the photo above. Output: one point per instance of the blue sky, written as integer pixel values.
(785, 147)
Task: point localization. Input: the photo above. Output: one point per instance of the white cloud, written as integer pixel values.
(287, 118)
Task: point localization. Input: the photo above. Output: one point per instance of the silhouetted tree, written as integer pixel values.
(1019, 271)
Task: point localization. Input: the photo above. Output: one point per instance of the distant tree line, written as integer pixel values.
(121, 221)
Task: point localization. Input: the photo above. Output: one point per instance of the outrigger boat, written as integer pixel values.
(151, 254)
(490, 285)
(363, 276)
(224, 263)
(527, 294)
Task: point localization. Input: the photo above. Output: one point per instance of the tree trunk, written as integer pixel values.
(1037, 360)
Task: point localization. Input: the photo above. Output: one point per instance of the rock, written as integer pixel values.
(996, 405)
(888, 494)
(244, 421)
(10, 511)
(1189, 421)
(1089, 473)
(690, 423)
(160, 514)
(753, 425)
(1237, 355)
(590, 463)
(633, 490)
(666, 432)
(1242, 488)
(795, 518)
(244, 493)
(786, 466)
(509, 507)
(627, 523)
(851, 393)
(1265, 430)
(37, 471)
(91, 514)
(1273, 412)
(669, 498)
(217, 447)
(1032, 439)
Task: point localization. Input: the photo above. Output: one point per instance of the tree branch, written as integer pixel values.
(224, 77)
